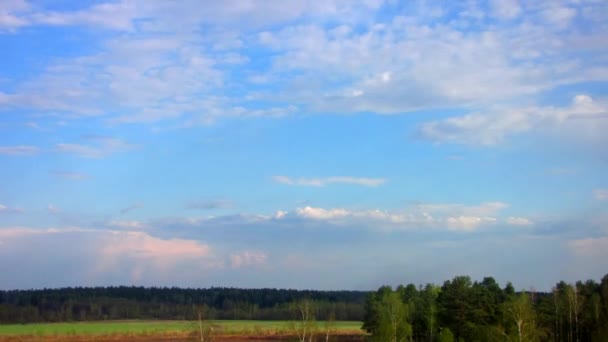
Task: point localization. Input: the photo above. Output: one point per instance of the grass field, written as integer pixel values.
(158, 328)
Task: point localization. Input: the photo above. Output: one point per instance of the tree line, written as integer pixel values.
(462, 310)
(124, 302)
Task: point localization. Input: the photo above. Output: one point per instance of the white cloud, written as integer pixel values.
(560, 16)
(248, 259)
(600, 194)
(19, 150)
(319, 182)
(430, 65)
(69, 175)
(52, 209)
(160, 66)
(592, 247)
(139, 245)
(78, 149)
(456, 217)
(107, 253)
(519, 221)
(117, 16)
(10, 210)
(10, 18)
(127, 224)
(496, 125)
(507, 9)
(467, 223)
(322, 214)
(100, 147)
(115, 244)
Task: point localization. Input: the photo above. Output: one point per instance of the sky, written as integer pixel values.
(336, 144)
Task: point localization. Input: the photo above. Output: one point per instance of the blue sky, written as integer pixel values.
(305, 144)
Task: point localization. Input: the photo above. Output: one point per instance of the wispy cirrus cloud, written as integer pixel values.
(494, 126)
(11, 17)
(19, 150)
(320, 182)
(519, 221)
(130, 208)
(132, 225)
(71, 175)
(4, 209)
(210, 204)
(52, 209)
(98, 147)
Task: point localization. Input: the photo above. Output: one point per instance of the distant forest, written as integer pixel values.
(458, 310)
(115, 303)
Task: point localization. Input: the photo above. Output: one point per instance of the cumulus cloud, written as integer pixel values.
(507, 9)
(558, 15)
(495, 126)
(116, 16)
(467, 223)
(10, 14)
(105, 254)
(248, 259)
(19, 150)
(345, 60)
(455, 217)
(320, 182)
(139, 245)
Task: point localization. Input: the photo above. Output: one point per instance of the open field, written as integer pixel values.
(172, 330)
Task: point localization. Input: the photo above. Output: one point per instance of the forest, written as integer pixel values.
(463, 310)
(458, 310)
(123, 302)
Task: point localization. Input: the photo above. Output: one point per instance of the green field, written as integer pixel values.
(158, 327)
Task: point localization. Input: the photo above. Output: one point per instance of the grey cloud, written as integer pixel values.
(130, 208)
(210, 204)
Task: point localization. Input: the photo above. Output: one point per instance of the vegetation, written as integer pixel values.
(119, 303)
(257, 328)
(458, 310)
(462, 310)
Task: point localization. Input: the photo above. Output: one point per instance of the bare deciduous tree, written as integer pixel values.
(205, 327)
(304, 326)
